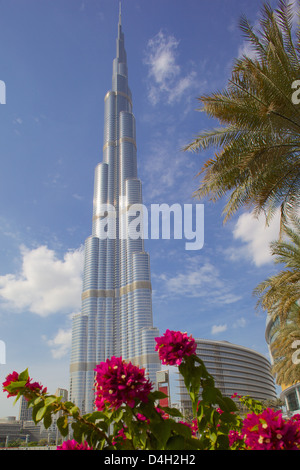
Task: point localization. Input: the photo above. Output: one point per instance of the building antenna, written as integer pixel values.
(120, 11)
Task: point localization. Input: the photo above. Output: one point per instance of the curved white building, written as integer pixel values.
(236, 369)
(116, 316)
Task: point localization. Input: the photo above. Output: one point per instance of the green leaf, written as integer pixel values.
(118, 415)
(211, 394)
(36, 409)
(35, 401)
(227, 404)
(175, 443)
(161, 431)
(24, 376)
(227, 417)
(192, 444)
(96, 415)
(172, 411)
(157, 395)
(62, 424)
(223, 442)
(51, 399)
(182, 429)
(103, 425)
(16, 385)
(47, 420)
(200, 411)
(74, 411)
(40, 413)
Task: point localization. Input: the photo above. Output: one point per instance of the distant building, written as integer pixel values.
(10, 430)
(25, 413)
(62, 392)
(290, 394)
(291, 399)
(235, 369)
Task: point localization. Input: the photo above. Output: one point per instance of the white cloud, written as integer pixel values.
(165, 77)
(218, 329)
(199, 281)
(256, 236)
(45, 284)
(246, 49)
(239, 323)
(18, 120)
(60, 344)
(78, 197)
(167, 173)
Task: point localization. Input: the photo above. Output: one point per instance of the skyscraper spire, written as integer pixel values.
(116, 314)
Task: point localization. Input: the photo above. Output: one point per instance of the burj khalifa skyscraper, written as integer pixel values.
(116, 315)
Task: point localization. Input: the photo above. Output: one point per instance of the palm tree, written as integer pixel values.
(257, 147)
(278, 293)
(287, 335)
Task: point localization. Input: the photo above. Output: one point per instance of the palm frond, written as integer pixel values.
(257, 161)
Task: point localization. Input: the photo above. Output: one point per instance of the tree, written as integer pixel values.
(257, 146)
(278, 294)
(286, 365)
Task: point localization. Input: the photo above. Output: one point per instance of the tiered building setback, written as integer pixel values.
(116, 316)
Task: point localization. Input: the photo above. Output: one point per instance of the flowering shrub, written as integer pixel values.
(173, 346)
(118, 382)
(127, 415)
(74, 445)
(21, 384)
(269, 431)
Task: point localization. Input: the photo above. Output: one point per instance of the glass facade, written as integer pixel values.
(116, 316)
(235, 369)
(291, 398)
(290, 394)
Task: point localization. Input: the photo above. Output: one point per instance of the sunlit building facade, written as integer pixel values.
(290, 393)
(235, 369)
(116, 315)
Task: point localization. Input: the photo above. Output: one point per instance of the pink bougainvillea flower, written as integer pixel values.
(119, 382)
(28, 390)
(270, 431)
(163, 414)
(234, 436)
(193, 426)
(14, 377)
(73, 445)
(141, 417)
(120, 437)
(35, 387)
(173, 346)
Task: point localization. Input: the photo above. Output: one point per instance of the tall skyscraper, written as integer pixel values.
(116, 316)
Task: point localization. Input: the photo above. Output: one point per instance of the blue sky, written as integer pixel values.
(56, 61)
